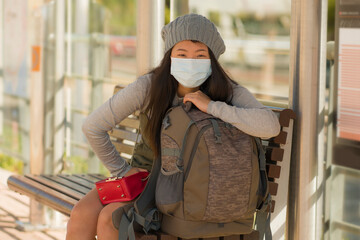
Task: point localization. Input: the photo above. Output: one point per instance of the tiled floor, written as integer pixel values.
(13, 207)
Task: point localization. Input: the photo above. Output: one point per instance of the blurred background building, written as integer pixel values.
(59, 60)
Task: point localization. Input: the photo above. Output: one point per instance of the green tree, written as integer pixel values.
(331, 20)
(123, 16)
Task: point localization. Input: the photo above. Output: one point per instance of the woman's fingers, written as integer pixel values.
(199, 99)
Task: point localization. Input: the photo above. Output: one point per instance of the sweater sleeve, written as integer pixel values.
(247, 114)
(110, 113)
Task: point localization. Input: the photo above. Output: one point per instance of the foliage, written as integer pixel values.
(214, 16)
(78, 164)
(264, 25)
(331, 20)
(123, 16)
(167, 11)
(11, 164)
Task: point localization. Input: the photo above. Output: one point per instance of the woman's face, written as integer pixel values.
(189, 49)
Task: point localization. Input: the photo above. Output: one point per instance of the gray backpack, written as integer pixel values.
(209, 182)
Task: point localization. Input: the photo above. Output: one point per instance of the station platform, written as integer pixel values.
(15, 207)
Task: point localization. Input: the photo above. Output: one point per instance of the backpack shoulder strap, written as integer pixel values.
(144, 211)
(262, 222)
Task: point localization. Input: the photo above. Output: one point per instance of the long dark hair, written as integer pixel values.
(163, 90)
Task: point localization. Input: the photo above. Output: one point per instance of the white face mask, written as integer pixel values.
(190, 73)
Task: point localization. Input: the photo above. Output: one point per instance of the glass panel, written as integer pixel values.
(257, 38)
(345, 204)
(14, 86)
(101, 49)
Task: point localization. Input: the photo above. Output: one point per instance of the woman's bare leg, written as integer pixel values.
(84, 217)
(105, 227)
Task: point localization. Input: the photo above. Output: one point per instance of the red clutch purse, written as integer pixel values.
(121, 189)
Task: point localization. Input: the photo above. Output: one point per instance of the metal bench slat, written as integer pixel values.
(60, 188)
(80, 181)
(50, 197)
(97, 176)
(89, 177)
(65, 182)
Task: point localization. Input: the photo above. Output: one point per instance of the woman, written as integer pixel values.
(189, 71)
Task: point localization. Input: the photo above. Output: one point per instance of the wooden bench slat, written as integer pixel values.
(285, 116)
(130, 123)
(60, 188)
(273, 187)
(281, 138)
(123, 134)
(273, 170)
(274, 154)
(124, 148)
(277, 154)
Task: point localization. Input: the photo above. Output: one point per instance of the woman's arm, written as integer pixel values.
(104, 118)
(247, 114)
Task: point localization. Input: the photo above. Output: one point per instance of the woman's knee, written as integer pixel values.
(86, 209)
(105, 216)
(80, 210)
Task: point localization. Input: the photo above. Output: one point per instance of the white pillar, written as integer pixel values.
(178, 8)
(59, 103)
(37, 105)
(307, 87)
(149, 45)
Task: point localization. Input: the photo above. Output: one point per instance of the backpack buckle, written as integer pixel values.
(218, 139)
(166, 122)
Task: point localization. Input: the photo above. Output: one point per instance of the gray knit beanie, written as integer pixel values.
(193, 27)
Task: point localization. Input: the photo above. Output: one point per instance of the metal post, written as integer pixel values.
(149, 50)
(99, 50)
(158, 20)
(307, 87)
(68, 37)
(37, 120)
(59, 108)
(80, 55)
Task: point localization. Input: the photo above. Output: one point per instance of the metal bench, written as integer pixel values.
(61, 191)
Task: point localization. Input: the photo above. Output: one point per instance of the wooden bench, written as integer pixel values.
(61, 191)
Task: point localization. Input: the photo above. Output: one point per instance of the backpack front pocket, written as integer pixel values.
(169, 187)
(170, 156)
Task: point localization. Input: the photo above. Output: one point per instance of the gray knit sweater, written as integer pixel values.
(246, 113)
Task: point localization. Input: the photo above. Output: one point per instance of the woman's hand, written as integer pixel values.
(199, 99)
(134, 170)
